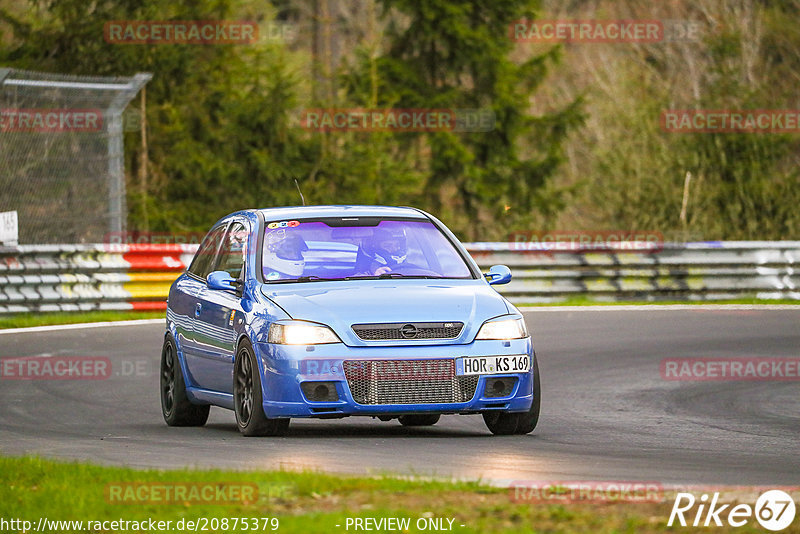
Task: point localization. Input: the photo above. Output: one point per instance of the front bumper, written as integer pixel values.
(284, 368)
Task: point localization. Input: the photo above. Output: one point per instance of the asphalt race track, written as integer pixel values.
(606, 412)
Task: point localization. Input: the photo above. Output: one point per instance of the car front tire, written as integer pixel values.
(419, 419)
(505, 424)
(248, 398)
(175, 405)
(529, 419)
(501, 423)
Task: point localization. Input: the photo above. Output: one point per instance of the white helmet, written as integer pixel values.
(283, 254)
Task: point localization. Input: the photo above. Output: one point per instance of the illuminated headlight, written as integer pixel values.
(511, 327)
(301, 333)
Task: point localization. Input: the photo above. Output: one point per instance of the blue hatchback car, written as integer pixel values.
(332, 311)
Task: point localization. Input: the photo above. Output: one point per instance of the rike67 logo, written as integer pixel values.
(774, 510)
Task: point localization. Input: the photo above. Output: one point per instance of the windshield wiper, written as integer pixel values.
(386, 276)
(310, 278)
(398, 275)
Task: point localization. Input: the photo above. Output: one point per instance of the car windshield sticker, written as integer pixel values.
(283, 224)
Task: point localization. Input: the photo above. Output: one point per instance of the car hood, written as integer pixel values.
(342, 304)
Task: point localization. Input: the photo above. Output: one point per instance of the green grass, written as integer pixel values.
(590, 301)
(43, 319)
(23, 320)
(32, 488)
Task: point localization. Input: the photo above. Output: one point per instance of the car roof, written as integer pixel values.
(340, 211)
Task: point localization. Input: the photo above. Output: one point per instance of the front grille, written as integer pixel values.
(382, 331)
(408, 382)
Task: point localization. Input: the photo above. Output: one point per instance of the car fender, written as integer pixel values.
(179, 354)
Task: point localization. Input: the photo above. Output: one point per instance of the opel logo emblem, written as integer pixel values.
(408, 331)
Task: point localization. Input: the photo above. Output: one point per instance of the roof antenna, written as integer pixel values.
(301, 193)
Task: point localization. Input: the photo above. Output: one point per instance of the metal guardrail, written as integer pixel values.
(638, 271)
(41, 278)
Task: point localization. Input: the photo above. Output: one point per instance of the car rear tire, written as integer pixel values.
(419, 419)
(176, 407)
(529, 419)
(247, 397)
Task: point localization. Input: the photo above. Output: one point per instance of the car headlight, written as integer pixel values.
(301, 333)
(511, 327)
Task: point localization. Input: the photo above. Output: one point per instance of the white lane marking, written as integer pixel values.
(52, 328)
(664, 307)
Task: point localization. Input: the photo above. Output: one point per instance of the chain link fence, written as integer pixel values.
(61, 154)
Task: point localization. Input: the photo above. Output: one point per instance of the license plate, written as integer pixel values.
(493, 365)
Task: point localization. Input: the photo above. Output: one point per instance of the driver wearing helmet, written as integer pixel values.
(283, 255)
(385, 250)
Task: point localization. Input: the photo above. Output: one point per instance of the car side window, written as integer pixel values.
(203, 260)
(232, 253)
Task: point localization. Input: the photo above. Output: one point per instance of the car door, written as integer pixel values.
(187, 305)
(221, 313)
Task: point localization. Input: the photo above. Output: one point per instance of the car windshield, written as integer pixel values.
(350, 249)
